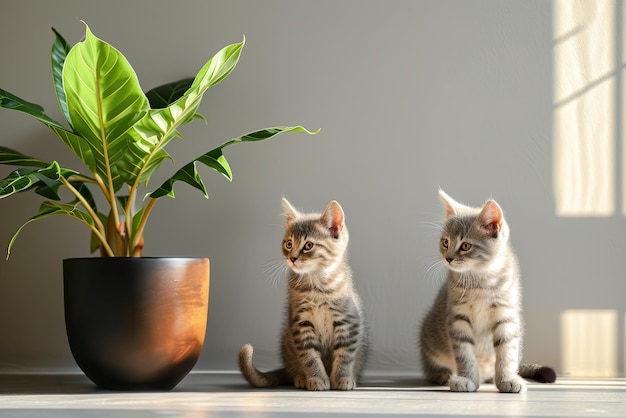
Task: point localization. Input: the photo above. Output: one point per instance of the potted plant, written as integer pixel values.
(133, 322)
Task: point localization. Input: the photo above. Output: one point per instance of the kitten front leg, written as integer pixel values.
(303, 347)
(506, 344)
(342, 372)
(467, 378)
(348, 341)
(312, 374)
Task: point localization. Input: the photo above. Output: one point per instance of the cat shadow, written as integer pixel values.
(399, 383)
(78, 384)
(374, 384)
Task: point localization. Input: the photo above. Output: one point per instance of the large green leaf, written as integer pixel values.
(47, 186)
(10, 101)
(75, 142)
(81, 187)
(60, 49)
(104, 99)
(166, 94)
(216, 160)
(54, 208)
(12, 157)
(148, 137)
(46, 178)
(23, 179)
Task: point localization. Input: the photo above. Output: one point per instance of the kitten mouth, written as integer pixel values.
(299, 269)
(456, 267)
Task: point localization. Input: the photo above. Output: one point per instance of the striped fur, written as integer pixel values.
(473, 332)
(324, 340)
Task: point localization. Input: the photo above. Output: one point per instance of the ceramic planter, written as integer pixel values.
(136, 323)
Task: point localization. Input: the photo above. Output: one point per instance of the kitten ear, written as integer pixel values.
(289, 212)
(333, 218)
(452, 206)
(491, 217)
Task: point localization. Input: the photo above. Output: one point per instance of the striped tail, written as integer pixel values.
(541, 374)
(256, 378)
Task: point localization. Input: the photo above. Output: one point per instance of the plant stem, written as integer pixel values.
(128, 211)
(79, 177)
(138, 237)
(102, 186)
(101, 232)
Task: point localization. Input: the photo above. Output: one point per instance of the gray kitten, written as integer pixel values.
(324, 340)
(473, 332)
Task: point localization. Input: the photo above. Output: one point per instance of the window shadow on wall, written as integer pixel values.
(589, 179)
(589, 341)
(588, 96)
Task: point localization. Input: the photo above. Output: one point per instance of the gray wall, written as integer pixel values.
(410, 96)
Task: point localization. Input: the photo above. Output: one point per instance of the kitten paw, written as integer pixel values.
(343, 383)
(462, 384)
(440, 378)
(515, 385)
(299, 382)
(317, 383)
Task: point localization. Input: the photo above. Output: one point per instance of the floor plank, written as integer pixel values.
(228, 395)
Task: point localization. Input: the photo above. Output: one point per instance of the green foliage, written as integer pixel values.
(119, 133)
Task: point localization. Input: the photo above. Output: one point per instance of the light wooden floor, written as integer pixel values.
(227, 395)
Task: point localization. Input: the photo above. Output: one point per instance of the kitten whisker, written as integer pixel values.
(435, 225)
(275, 270)
(434, 274)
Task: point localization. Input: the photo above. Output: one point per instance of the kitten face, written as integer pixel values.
(472, 238)
(463, 247)
(313, 242)
(304, 248)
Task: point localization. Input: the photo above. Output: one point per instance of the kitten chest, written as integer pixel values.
(484, 310)
(322, 314)
(322, 317)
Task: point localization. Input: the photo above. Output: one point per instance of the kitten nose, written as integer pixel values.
(449, 259)
(293, 259)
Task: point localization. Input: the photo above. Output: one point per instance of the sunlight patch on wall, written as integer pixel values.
(589, 343)
(584, 107)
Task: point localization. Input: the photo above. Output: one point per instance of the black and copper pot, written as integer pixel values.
(136, 323)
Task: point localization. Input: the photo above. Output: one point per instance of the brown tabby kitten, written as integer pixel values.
(473, 332)
(324, 340)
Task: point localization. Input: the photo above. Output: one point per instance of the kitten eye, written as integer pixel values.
(308, 245)
(445, 242)
(288, 244)
(466, 246)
